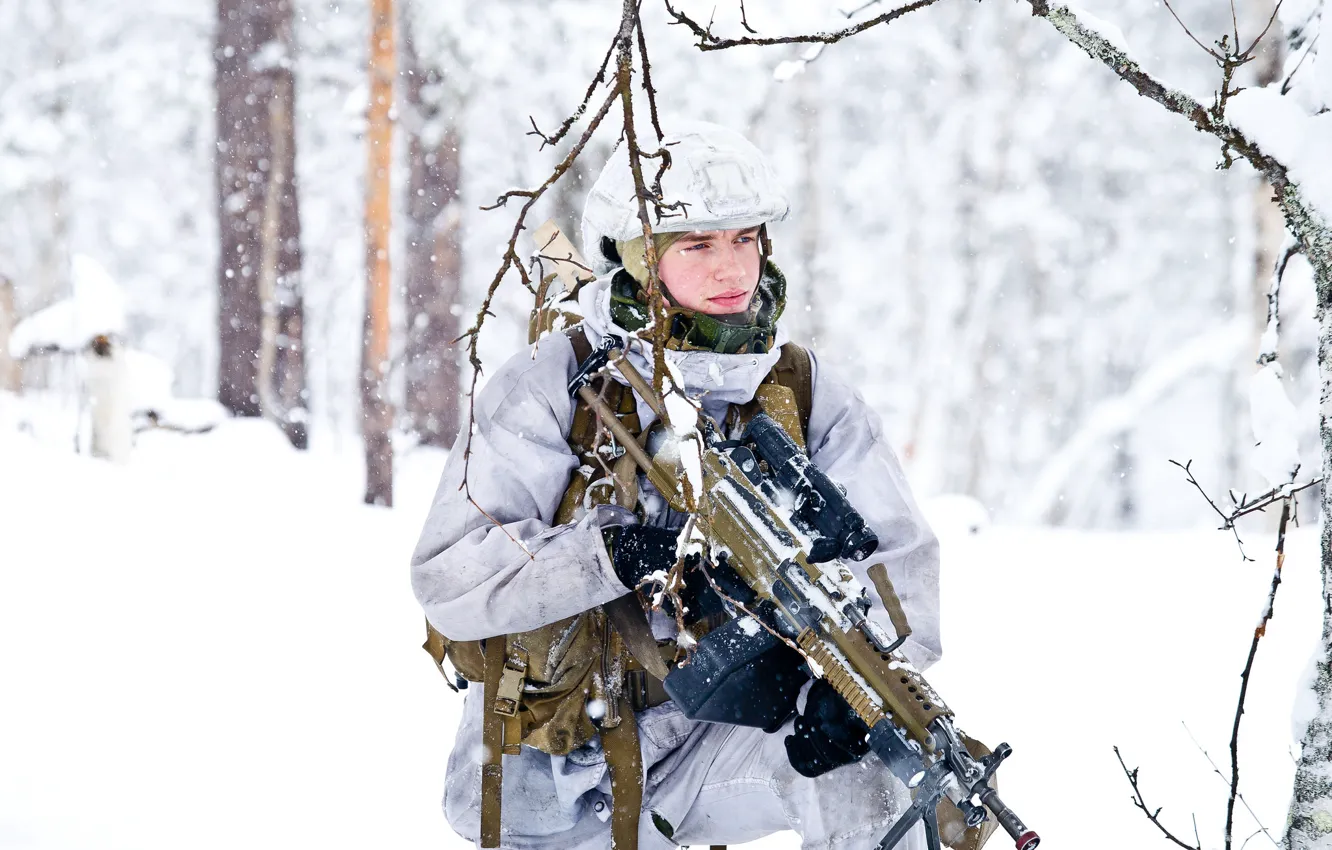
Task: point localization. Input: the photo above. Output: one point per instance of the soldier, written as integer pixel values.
(538, 559)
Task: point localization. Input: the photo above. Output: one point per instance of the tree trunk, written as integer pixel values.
(433, 265)
(1311, 803)
(261, 363)
(376, 412)
(9, 368)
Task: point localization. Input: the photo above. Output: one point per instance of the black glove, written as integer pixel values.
(828, 733)
(639, 550)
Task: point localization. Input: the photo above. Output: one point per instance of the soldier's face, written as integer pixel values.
(712, 271)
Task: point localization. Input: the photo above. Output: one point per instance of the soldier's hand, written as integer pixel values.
(637, 551)
(828, 733)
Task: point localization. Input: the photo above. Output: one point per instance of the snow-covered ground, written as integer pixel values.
(217, 646)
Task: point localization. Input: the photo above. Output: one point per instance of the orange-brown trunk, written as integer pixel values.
(377, 414)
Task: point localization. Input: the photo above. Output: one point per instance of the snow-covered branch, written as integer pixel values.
(1288, 149)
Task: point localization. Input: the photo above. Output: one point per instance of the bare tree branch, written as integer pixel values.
(1244, 505)
(708, 41)
(744, 21)
(512, 261)
(1153, 816)
(1209, 51)
(1258, 632)
(564, 128)
(1302, 219)
(622, 47)
(1226, 521)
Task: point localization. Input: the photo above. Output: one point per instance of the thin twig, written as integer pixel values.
(744, 22)
(862, 7)
(1142, 804)
(1244, 506)
(1210, 52)
(656, 301)
(662, 154)
(1271, 497)
(708, 41)
(564, 128)
(1234, 20)
(1222, 777)
(1258, 632)
(1226, 523)
(512, 261)
(1271, 20)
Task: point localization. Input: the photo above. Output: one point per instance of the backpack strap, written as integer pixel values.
(578, 338)
(492, 746)
(786, 394)
(795, 370)
(624, 757)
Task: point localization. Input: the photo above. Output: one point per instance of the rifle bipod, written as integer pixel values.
(932, 786)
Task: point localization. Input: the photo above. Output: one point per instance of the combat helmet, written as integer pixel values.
(717, 180)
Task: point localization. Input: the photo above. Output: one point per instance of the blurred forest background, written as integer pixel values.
(1042, 281)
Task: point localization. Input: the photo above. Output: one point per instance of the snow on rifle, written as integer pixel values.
(775, 530)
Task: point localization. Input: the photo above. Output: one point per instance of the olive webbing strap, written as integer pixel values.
(492, 745)
(794, 370)
(624, 757)
(624, 760)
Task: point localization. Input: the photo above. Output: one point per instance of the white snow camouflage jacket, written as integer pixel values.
(474, 581)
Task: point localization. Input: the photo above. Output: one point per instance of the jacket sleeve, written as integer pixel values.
(508, 569)
(846, 441)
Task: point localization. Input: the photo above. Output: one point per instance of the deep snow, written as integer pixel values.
(217, 646)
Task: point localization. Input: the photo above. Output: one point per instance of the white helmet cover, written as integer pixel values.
(724, 181)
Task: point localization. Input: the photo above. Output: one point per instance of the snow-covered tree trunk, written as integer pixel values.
(433, 263)
(376, 411)
(261, 365)
(1311, 804)
(1310, 821)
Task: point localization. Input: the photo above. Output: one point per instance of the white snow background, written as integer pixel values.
(216, 647)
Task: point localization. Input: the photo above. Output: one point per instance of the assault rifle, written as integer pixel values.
(776, 530)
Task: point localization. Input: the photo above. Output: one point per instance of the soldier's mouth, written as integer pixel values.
(732, 298)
